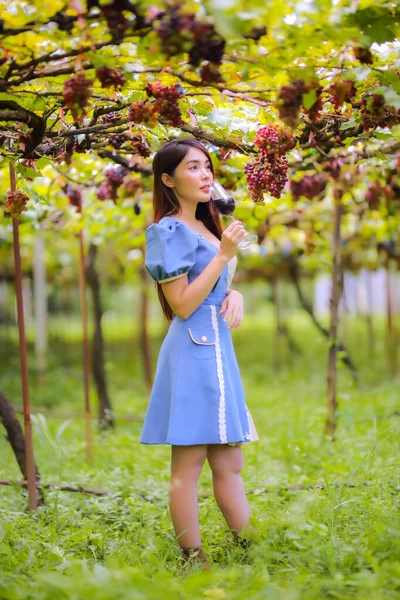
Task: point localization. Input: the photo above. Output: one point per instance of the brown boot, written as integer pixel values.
(195, 556)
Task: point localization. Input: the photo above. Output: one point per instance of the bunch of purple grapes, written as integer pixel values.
(342, 91)
(267, 173)
(290, 100)
(180, 32)
(166, 101)
(274, 139)
(140, 146)
(110, 77)
(310, 186)
(77, 92)
(114, 179)
(74, 196)
(16, 203)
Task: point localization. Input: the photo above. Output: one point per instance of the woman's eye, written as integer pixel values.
(192, 168)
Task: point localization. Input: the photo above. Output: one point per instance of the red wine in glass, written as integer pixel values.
(225, 205)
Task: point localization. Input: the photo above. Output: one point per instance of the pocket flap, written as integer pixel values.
(203, 337)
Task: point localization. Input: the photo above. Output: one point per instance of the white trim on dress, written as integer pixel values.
(220, 374)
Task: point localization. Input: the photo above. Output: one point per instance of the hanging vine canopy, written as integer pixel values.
(302, 90)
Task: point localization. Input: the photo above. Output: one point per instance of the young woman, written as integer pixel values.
(197, 402)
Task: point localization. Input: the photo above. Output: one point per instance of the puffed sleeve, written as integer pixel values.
(170, 250)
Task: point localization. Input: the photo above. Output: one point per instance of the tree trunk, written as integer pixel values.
(106, 417)
(30, 461)
(85, 349)
(369, 317)
(144, 322)
(337, 286)
(344, 354)
(16, 437)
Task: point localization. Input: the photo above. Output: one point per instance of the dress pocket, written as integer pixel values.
(203, 342)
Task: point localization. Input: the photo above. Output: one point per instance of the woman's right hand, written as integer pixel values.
(230, 240)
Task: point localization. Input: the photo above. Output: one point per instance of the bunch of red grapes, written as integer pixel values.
(209, 73)
(374, 112)
(74, 196)
(289, 102)
(275, 139)
(114, 179)
(342, 91)
(181, 32)
(110, 77)
(268, 173)
(166, 101)
(310, 186)
(141, 112)
(77, 92)
(291, 99)
(314, 110)
(117, 23)
(363, 54)
(374, 195)
(16, 203)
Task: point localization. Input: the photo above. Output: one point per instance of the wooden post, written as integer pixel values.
(337, 284)
(86, 358)
(30, 461)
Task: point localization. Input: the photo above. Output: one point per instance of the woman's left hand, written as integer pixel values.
(232, 306)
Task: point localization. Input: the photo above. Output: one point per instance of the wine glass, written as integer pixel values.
(225, 205)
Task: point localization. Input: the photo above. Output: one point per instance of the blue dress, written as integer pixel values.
(197, 395)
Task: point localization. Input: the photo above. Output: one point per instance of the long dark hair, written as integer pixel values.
(165, 202)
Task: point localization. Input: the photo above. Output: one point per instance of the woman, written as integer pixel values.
(197, 402)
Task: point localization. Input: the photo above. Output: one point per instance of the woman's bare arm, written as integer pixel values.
(185, 298)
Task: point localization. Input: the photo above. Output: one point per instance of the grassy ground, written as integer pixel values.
(333, 541)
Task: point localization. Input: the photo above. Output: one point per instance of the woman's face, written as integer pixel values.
(192, 178)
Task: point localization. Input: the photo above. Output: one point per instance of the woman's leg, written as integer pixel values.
(226, 462)
(186, 465)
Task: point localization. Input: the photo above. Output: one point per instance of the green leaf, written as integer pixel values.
(309, 99)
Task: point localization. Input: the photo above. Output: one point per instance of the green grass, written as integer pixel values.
(336, 542)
